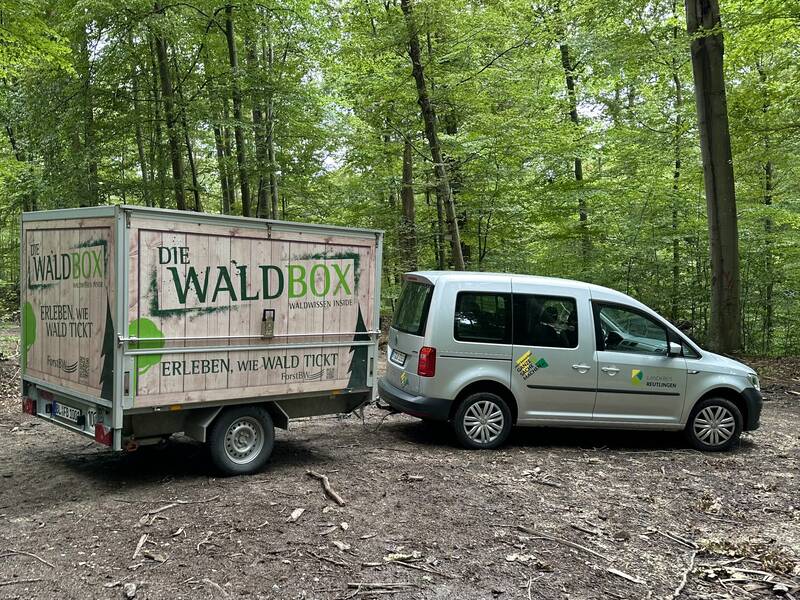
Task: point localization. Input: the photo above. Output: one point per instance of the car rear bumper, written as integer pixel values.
(754, 401)
(437, 409)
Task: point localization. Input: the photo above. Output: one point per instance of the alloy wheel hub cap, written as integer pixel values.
(714, 425)
(483, 422)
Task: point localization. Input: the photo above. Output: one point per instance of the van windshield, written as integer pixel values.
(412, 307)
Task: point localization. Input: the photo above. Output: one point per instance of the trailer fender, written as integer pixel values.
(279, 417)
(198, 420)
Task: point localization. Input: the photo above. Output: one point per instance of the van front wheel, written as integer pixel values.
(241, 440)
(483, 420)
(714, 425)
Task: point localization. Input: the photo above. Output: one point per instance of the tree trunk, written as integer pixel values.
(702, 17)
(219, 146)
(259, 133)
(408, 234)
(167, 94)
(768, 325)
(441, 261)
(569, 78)
(28, 197)
(89, 179)
(140, 139)
(443, 190)
(238, 133)
(268, 55)
(675, 294)
(198, 207)
(226, 144)
(158, 142)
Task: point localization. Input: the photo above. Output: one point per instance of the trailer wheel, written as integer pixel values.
(241, 440)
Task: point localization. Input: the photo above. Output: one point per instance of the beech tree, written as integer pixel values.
(703, 25)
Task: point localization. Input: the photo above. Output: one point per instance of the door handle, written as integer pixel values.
(581, 368)
(610, 370)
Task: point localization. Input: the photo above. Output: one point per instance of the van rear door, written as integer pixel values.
(407, 333)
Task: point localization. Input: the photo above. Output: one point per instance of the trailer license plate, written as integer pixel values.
(398, 357)
(66, 412)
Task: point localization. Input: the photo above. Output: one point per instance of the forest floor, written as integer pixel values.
(554, 514)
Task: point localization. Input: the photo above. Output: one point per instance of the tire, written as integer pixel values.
(714, 425)
(241, 440)
(482, 421)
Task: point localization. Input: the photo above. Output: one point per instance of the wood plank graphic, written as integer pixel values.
(205, 287)
(66, 291)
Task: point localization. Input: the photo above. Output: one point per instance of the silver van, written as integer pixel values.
(488, 351)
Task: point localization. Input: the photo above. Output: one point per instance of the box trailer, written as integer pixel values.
(138, 323)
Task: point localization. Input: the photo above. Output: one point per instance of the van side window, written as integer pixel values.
(550, 321)
(411, 312)
(483, 317)
(621, 329)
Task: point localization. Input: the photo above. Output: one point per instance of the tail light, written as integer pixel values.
(427, 362)
(29, 406)
(102, 434)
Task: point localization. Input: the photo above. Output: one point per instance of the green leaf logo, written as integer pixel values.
(28, 331)
(154, 340)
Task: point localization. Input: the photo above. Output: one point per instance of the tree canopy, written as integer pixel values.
(567, 133)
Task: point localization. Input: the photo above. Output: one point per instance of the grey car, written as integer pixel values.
(489, 351)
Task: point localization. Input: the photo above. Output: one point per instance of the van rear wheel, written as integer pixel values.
(715, 424)
(241, 440)
(483, 420)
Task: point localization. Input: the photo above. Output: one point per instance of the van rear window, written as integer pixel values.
(412, 308)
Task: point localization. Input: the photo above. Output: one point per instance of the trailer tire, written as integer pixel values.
(241, 439)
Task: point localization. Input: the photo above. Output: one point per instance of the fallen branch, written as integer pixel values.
(619, 573)
(685, 577)
(179, 503)
(546, 482)
(214, 585)
(11, 551)
(172, 502)
(424, 568)
(326, 485)
(142, 540)
(16, 581)
(381, 585)
(676, 538)
(333, 561)
(374, 589)
(541, 536)
(584, 529)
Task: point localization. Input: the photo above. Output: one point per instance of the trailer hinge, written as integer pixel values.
(127, 219)
(269, 231)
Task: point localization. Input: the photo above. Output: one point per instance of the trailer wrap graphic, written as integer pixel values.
(197, 293)
(65, 305)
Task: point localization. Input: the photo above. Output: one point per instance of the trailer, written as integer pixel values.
(138, 323)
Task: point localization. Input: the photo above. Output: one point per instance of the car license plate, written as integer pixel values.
(398, 357)
(66, 412)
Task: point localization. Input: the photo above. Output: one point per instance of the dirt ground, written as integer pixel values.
(555, 514)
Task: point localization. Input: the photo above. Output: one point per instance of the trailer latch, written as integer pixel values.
(268, 323)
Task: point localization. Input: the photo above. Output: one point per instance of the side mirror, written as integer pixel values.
(675, 349)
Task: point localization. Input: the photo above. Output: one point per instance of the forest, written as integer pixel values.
(560, 137)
